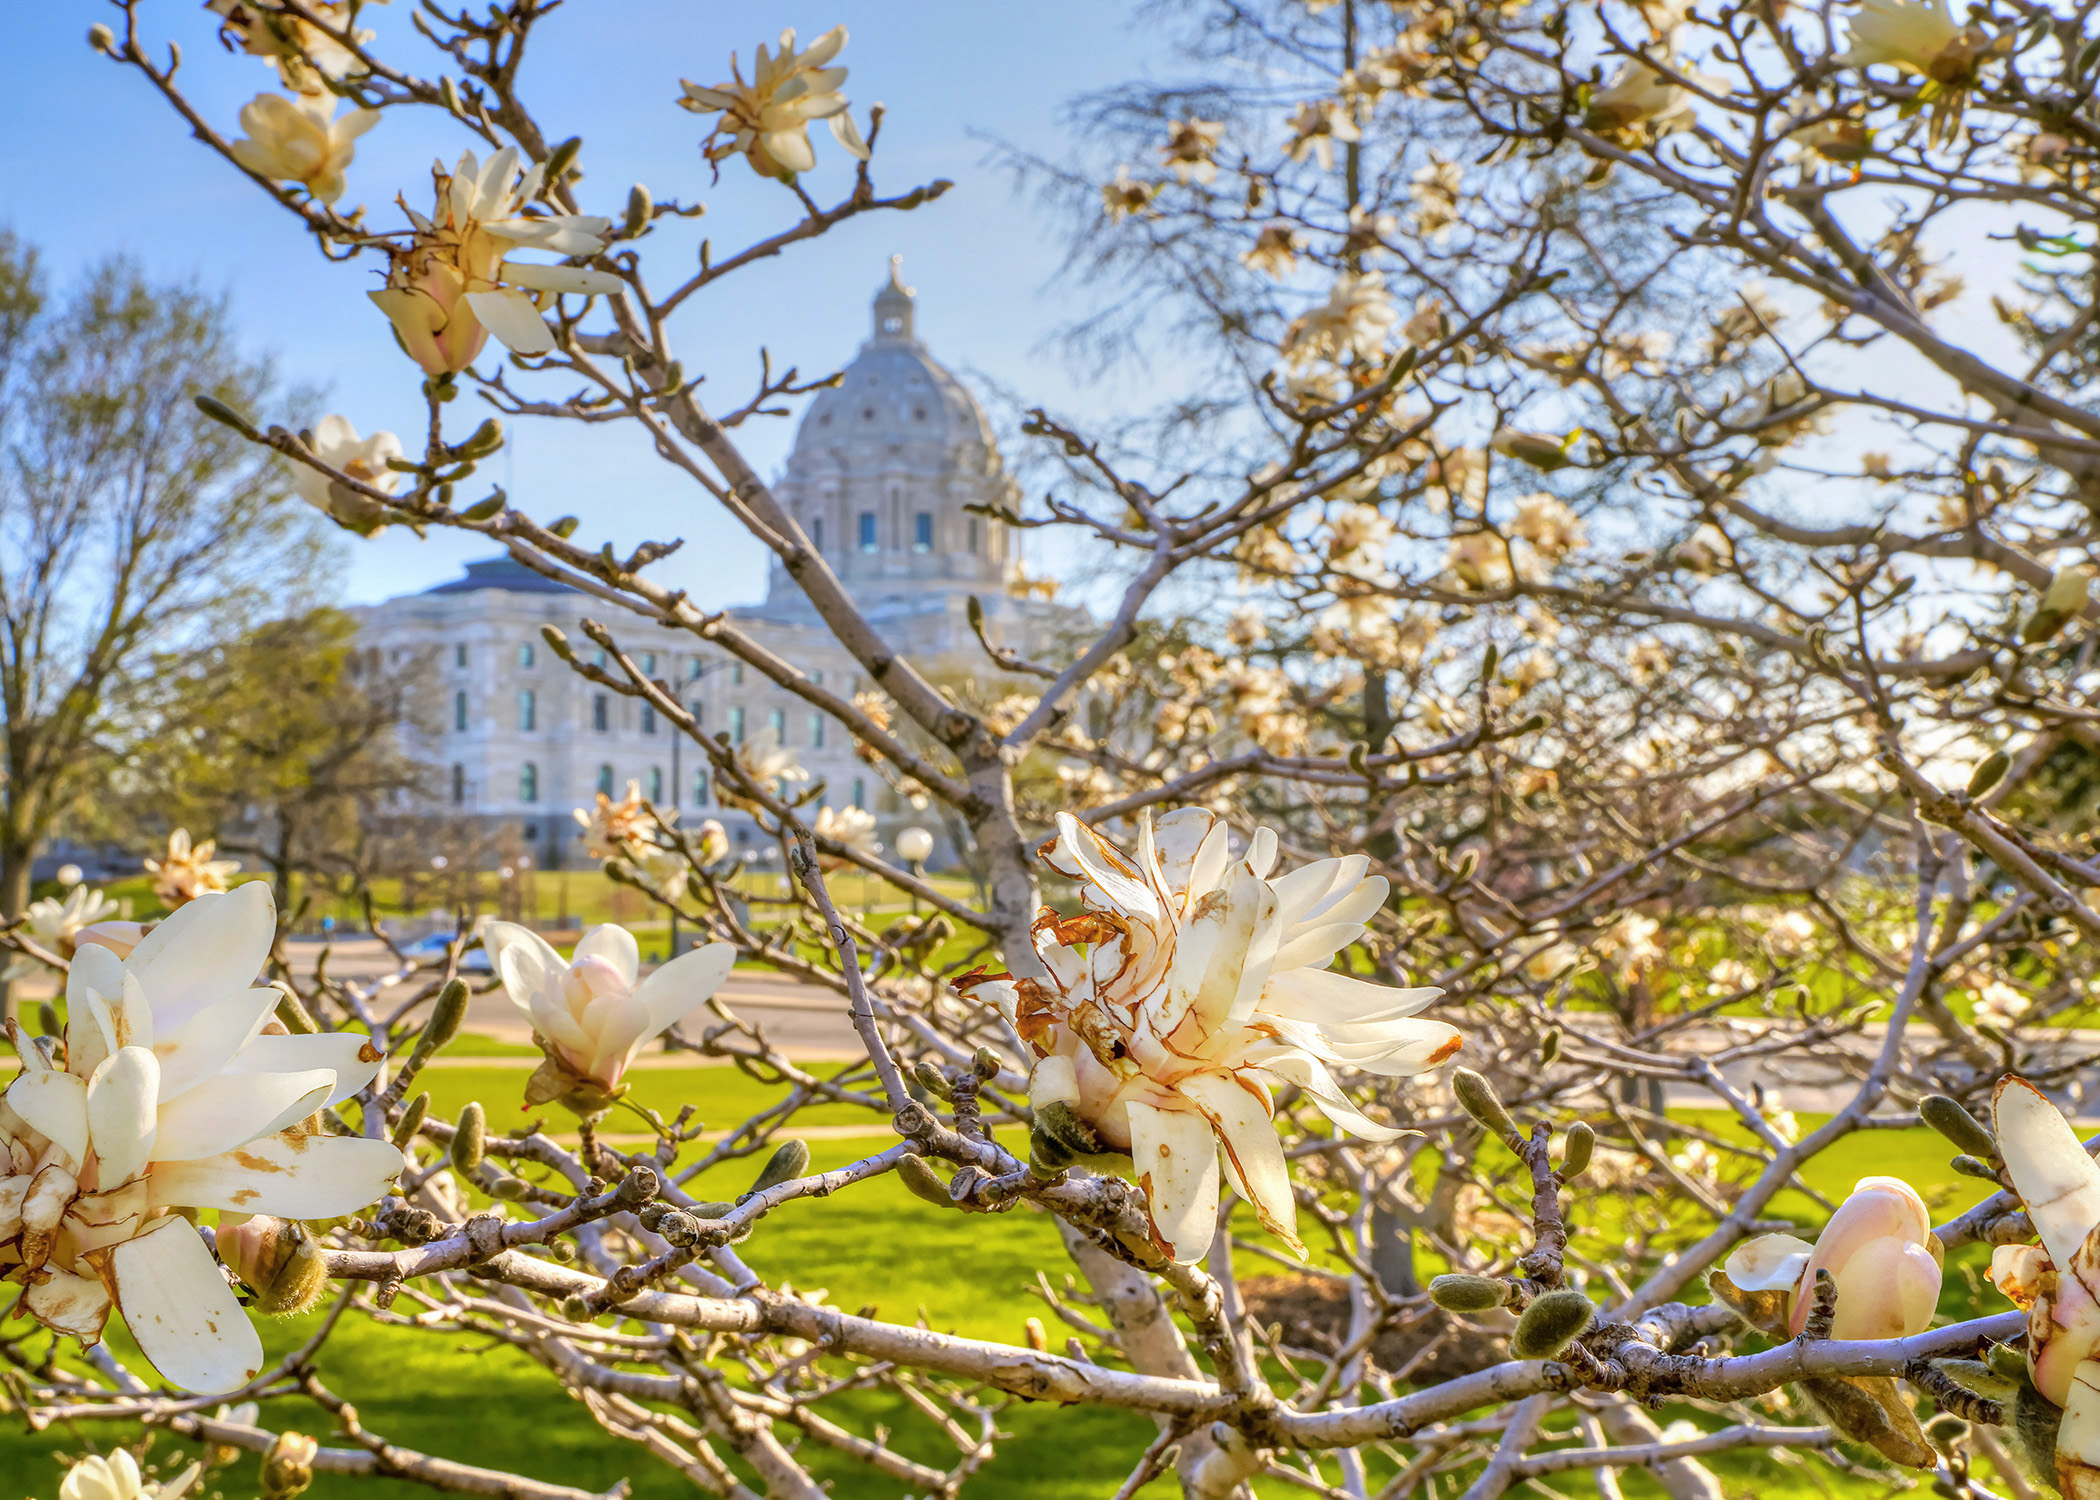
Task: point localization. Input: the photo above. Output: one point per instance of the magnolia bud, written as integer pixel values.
(1038, 1339)
(470, 1139)
(1549, 1045)
(510, 1189)
(411, 1121)
(1468, 1294)
(923, 1181)
(1550, 1324)
(445, 1017)
(788, 1163)
(1970, 1166)
(288, 1468)
(101, 38)
(560, 159)
(278, 1260)
(1576, 1148)
(640, 206)
(678, 1227)
(932, 1079)
(575, 1309)
(1962, 1129)
(1477, 1097)
(1988, 773)
(565, 526)
(986, 1062)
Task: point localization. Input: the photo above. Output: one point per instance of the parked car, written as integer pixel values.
(474, 961)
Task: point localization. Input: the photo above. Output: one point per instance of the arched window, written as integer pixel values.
(605, 780)
(459, 784)
(649, 662)
(922, 531)
(648, 718)
(867, 531)
(525, 654)
(459, 712)
(692, 666)
(528, 782)
(656, 783)
(601, 712)
(528, 711)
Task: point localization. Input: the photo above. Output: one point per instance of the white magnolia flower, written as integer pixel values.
(1878, 1247)
(1911, 35)
(1190, 149)
(300, 140)
(1275, 250)
(1639, 95)
(1187, 991)
(1124, 195)
(188, 870)
(768, 763)
(337, 445)
(56, 925)
(1355, 320)
(1316, 126)
(175, 1095)
(117, 1477)
(453, 285)
(610, 827)
(1479, 560)
(302, 53)
(767, 120)
(592, 1015)
(853, 827)
(1548, 525)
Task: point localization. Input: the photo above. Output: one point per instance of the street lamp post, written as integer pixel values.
(915, 844)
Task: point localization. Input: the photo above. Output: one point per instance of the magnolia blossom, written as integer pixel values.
(592, 1014)
(2057, 1281)
(1190, 147)
(1275, 250)
(452, 285)
(1915, 36)
(1355, 320)
(1479, 560)
(179, 1091)
(117, 1477)
(1548, 525)
(56, 925)
(1640, 95)
(1879, 1249)
(300, 140)
(767, 763)
(189, 871)
(767, 120)
(336, 444)
(1124, 195)
(1316, 126)
(1192, 986)
(302, 53)
(854, 827)
(1648, 660)
(609, 827)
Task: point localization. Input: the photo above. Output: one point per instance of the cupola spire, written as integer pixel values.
(893, 306)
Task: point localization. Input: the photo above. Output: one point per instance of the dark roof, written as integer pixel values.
(505, 573)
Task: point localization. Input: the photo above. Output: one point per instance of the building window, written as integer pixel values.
(459, 656)
(656, 783)
(860, 792)
(867, 531)
(605, 781)
(525, 654)
(973, 536)
(459, 712)
(528, 782)
(695, 708)
(528, 710)
(816, 533)
(692, 667)
(459, 783)
(601, 712)
(598, 657)
(700, 788)
(777, 721)
(736, 725)
(649, 663)
(648, 718)
(922, 532)
(816, 731)
(736, 674)
(817, 677)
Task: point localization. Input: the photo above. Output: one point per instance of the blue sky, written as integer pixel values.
(98, 163)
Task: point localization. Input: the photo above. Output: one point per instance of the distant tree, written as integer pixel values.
(285, 745)
(129, 524)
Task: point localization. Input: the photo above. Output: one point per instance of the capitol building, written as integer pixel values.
(883, 470)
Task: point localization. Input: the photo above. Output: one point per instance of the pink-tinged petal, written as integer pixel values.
(1888, 1290)
(685, 982)
(202, 1046)
(513, 320)
(54, 1104)
(1052, 1081)
(1768, 1263)
(1321, 997)
(2016, 1271)
(1177, 1167)
(617, 1025)
(2050, 1171)
(121, 1100)
(2078, 1435)
(616, 945)
(209, 948)
(286, 1176)
(1253, 1156)
(525, 962)
(233, 1109)
(350, 1055)
(78, 1305)
(181, 1312)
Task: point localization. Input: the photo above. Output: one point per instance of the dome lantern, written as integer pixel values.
(893, 307)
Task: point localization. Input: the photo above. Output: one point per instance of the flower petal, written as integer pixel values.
(181, 1312)
(350, 1055)
(580, 281)
(683, 983)
(512, 318)
(202, 1046)
(1253, 1155)
(2049, 1168)
(121, 1100)
(233, 1109)
(1768, 1263)
(616, 945)
(1177, 1166)
(54, 1104)
(290, 1177)
(208, 948)
(1322, 997)
(78, 1305)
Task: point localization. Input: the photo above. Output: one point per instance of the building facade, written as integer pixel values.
(883, 472)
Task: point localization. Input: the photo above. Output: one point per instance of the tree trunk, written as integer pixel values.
(17, 856)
